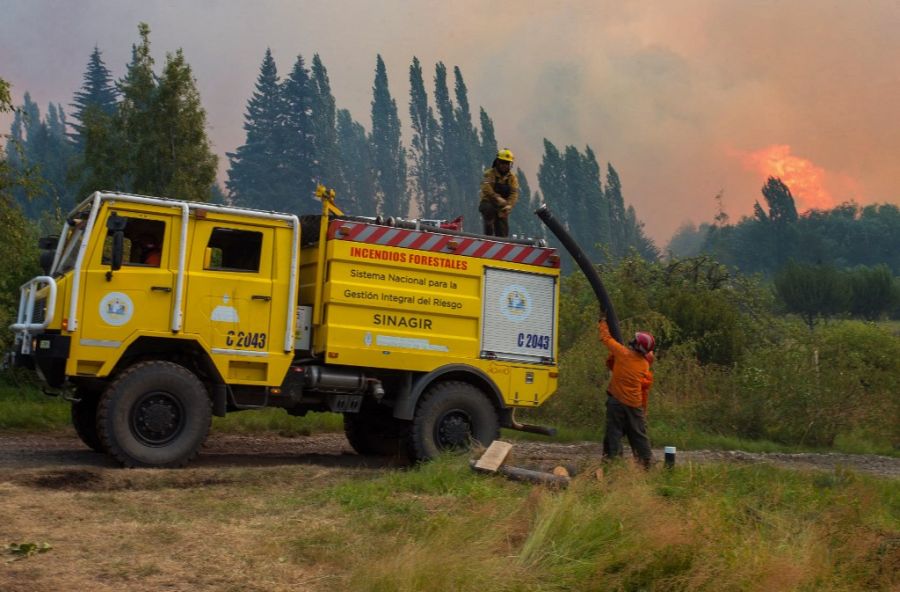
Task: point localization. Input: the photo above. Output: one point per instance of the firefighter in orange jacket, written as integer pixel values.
(499, 192)
(627, 393)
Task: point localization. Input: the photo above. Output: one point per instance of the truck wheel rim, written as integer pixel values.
(157, 418)
(453, 430)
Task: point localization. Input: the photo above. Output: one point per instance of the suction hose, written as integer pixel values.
(587, 268)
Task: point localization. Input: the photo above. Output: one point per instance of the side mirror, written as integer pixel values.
(116, 225)
(48, 243)
(118, 250)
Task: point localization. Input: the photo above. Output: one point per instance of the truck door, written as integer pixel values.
(138, 296)
(229, 295)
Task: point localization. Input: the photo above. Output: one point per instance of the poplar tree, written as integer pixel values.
(468, 159)
(617, 213)
(596, 208)
(324, 120)
(488, 147)
(298, 144)
(427, 166)
(449, 205)
(596, 218)
(388, 154)
(522, 221)
(257, 167)
(356, 167)
(552, 181)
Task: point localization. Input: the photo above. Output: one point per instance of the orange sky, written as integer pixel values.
(686, 99)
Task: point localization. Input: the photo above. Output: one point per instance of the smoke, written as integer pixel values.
(660, 90)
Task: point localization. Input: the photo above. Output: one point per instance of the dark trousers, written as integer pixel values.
(630, 422)
(494, 225)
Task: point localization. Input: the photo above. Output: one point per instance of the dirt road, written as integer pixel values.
(64, 450)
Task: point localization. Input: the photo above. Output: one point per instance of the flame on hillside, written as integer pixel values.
(805, 179)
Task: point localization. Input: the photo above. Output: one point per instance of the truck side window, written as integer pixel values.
(143, 242)
(230, 249)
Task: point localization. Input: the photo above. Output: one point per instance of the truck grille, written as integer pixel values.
(39, 313)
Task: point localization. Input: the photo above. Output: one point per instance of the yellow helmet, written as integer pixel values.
(506, 155)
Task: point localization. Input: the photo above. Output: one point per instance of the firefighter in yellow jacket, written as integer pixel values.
(627, 393)
(499, 192)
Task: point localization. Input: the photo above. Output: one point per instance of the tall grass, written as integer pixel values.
(832, 388)
(719, 528)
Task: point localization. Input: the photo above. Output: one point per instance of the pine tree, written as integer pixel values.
(257, 167)
(100, 164)
(135, 122)
(298, 144)
(427, 167)
(388, 153)
(356, 168)
(39, 147)
(187, 166)
(324, 119)
(97, 92)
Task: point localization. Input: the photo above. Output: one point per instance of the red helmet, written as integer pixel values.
(643, 342)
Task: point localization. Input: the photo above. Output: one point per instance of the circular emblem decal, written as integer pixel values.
(515, 303)
(116, 309)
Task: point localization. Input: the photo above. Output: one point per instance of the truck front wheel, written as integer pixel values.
(84, 418)
(451, 416)
(156, 414)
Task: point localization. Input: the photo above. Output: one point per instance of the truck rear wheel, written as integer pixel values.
(156, 414)
(84, 418)
(452, 416)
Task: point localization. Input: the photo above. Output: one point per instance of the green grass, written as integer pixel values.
(26, 408)
(278, 421)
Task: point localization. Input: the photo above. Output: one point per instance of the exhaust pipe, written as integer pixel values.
(587, 268)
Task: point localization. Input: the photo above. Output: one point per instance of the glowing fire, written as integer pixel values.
(806, 180)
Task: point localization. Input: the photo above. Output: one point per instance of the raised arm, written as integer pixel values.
(611, 344)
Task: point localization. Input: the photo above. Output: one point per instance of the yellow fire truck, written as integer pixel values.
(155, 314)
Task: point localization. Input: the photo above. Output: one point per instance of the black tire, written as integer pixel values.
(84, 419)
(156, 414)
(376, 432)
(452, 416)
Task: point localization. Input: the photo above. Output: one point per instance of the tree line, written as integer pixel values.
(145, 133)
(845, 236)
(824, 263)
